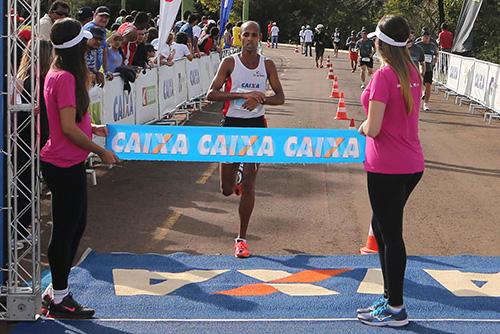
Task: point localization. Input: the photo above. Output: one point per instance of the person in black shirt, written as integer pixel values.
(319, 43)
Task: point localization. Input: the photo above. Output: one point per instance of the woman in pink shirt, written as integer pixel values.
(394, 161)
(63, 160)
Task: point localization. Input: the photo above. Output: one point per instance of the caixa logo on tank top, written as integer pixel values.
(123, 106)
(194, 77)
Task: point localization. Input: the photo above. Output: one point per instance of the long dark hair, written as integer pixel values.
(72, 60)
(398, 58)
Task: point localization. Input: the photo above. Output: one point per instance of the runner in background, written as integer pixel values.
(308, 40)
(430, 58)
(416, 53)
(244, 107)
(365, 47)
(353, 53)
(336, 42)
(394, 162)
(301, 39)
(275, 31)
(319, 44)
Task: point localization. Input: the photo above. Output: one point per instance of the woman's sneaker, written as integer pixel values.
(44, 309)
(241, 249)
(69, 309)
(378, 303)
(383, 316)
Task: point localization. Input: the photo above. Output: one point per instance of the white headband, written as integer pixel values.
(384, 38)
(71, 43)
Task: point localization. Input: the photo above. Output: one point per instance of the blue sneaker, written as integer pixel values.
(378, 303)
(384, 317)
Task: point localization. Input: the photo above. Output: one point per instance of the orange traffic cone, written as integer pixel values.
(296, 49)
(330, 74)
(352, 125)
(371, 244)
(328, 63)
(341, 112)
(335, 90)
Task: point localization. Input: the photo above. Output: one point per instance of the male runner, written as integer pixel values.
(353, 53)
(366, 48)
(245, 108)
(430, 58)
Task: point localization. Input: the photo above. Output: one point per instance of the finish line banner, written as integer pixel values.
(219, 144)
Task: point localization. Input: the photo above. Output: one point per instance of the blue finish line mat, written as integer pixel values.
(185, 293)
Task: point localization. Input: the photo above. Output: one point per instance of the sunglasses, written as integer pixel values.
(250, 34)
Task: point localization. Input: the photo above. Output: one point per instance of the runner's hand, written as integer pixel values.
(361, 130)
(108, 157)
(100, 130)
(250, 104)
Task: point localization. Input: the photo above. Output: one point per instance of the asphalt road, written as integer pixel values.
(318, 209)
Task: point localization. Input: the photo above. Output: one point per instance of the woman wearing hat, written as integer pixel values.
(63, 160)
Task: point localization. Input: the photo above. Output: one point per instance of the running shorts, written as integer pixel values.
(428, 77)
(353, 55)
(235, 122)
(319, 51)
(364, 61)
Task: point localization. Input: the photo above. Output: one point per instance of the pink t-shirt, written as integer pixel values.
(396, 149)
(59, 93)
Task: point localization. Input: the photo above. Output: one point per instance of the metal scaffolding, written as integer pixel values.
(21, 287)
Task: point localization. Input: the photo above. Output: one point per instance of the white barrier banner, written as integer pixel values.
(492, 96)
(205, 72)
(478, 89)
(118, 105)
(453, 72)
(466, 76)
(215, 60)
(96, 109)
(147, 96)
(193, 79)
(166, 90)
(180, 82)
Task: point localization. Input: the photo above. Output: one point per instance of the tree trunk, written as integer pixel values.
(442, 17)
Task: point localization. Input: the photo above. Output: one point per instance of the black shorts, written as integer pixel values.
(368, 64)
(320, 51)
(428, 77)
(234, 122)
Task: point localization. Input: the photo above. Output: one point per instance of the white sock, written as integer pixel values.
(240, 239)
(394, 309)
(59, 295)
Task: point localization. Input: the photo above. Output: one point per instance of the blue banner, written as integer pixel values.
(225, 11)
(219, 144)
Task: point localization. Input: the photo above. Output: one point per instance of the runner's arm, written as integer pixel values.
(279, 97)
(224, 71)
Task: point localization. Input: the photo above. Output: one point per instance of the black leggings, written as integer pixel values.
(388, 195)
(69, 215)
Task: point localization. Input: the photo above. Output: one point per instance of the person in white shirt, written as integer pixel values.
(275, 30)
(196, 37)
(58, 10)
(308, 40)
(301, 38)
(180, 47)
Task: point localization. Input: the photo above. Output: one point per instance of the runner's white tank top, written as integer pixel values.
(243, 80)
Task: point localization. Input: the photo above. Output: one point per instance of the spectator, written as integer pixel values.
(152, 35)
(62, 160)
(196, 38)
(122, 15)
(236, 34)
(140, 56)
(180, 47)
(94, 44)
(209, 43)
(115, 55)
(84, 15)
(275, 30)
(128, 19)
(187, 28)
(308, 40)
(114, 27)
(150, 54)
(204, 22)
(58, 10)
(178, 25)
(445, 38)
(133, 13)
(228, 37)
(129, 30)
(101, 20)
(165, 52)
(208, 28)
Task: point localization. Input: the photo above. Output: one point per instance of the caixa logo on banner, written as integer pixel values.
(454, 72)
(123, 106)
(479, 81)
(168, 89)
(194, 77)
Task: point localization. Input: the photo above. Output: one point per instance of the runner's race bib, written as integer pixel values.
(428, 58)
(366, 59)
